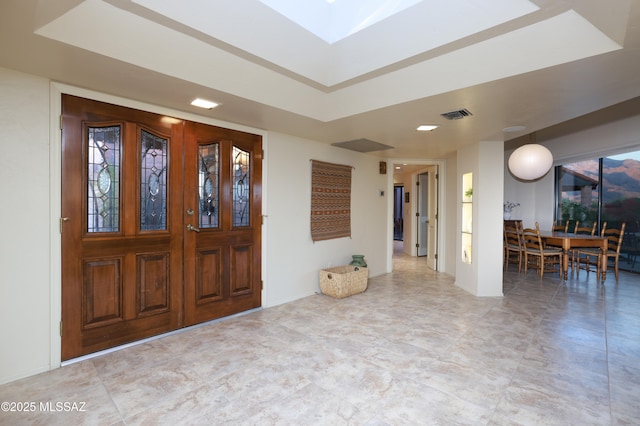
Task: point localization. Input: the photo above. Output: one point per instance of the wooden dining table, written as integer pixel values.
(568, 241)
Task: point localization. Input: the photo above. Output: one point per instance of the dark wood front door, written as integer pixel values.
(223, 231)
(140, 253)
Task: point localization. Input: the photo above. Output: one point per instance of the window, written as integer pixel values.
(600, 190)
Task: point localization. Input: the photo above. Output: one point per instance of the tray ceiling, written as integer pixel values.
(513, 63)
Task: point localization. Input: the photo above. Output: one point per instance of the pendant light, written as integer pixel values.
(530, 161)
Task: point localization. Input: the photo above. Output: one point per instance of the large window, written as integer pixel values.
(605, 189)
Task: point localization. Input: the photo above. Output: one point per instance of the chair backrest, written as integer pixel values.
(561, 228)
(512, 237)
(614, 237)
(586, 229)
(604, 228)
(531, 240)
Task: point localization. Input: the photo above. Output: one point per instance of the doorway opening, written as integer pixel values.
(398, 212)
(416, 195)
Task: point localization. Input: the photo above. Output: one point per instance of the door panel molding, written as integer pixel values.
(153, 283)
(102, 292)
(209, 275)
(241, 269)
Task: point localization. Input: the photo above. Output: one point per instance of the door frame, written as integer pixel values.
(410, 236)
(56, 91)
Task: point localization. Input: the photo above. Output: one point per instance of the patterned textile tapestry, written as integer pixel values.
(330, 201)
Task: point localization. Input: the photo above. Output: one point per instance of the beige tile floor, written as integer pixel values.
(412, 349)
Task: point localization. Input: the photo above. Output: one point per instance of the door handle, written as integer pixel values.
(62, 221)
(190, 227)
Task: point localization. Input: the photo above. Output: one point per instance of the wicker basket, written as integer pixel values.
(343, 281)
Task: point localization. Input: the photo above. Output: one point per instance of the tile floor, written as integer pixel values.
(412, 349)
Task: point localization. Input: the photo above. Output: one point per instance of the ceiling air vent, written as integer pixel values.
(456, 115)
(362, 145)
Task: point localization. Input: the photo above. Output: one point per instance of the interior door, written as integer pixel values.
(160, 224)
(222, 202)
(422, 214)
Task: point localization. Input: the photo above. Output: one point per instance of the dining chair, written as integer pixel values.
(575, 226)
(544, 259)
(614, 238)
(585, 230)
(513, 244)
(586, 258)
(581, 230)
(560, 228)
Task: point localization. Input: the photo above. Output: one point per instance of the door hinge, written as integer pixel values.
(60, 328)
(417, 245)
(417, 214)
(417, 183)
(261, 285)
(60, 122)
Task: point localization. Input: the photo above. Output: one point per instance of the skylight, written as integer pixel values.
(334, 20)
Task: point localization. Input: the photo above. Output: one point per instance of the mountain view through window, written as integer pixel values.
(603, 190)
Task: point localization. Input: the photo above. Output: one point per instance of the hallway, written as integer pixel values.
(412, 349)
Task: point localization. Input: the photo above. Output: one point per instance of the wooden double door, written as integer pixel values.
(161, 224)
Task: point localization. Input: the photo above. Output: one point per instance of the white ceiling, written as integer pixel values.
(509, 62)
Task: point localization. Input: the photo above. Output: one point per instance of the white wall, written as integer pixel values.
(293, 259)
(489, 218)
(447, 211)
(483, 276)
(30, 249)
(24, 225)
(536, 198)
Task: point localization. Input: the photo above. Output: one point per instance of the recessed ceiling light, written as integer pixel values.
(203, 103)
(426, 127)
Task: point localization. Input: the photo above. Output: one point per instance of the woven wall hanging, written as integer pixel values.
(330, 200)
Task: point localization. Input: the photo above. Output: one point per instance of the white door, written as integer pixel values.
(427, 216)
(422, 214)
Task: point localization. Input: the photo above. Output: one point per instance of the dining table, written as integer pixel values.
(569, 241)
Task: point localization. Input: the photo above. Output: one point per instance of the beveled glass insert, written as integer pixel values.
(103, 179)
(153, 182)
(240, 199)
(209, 187)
